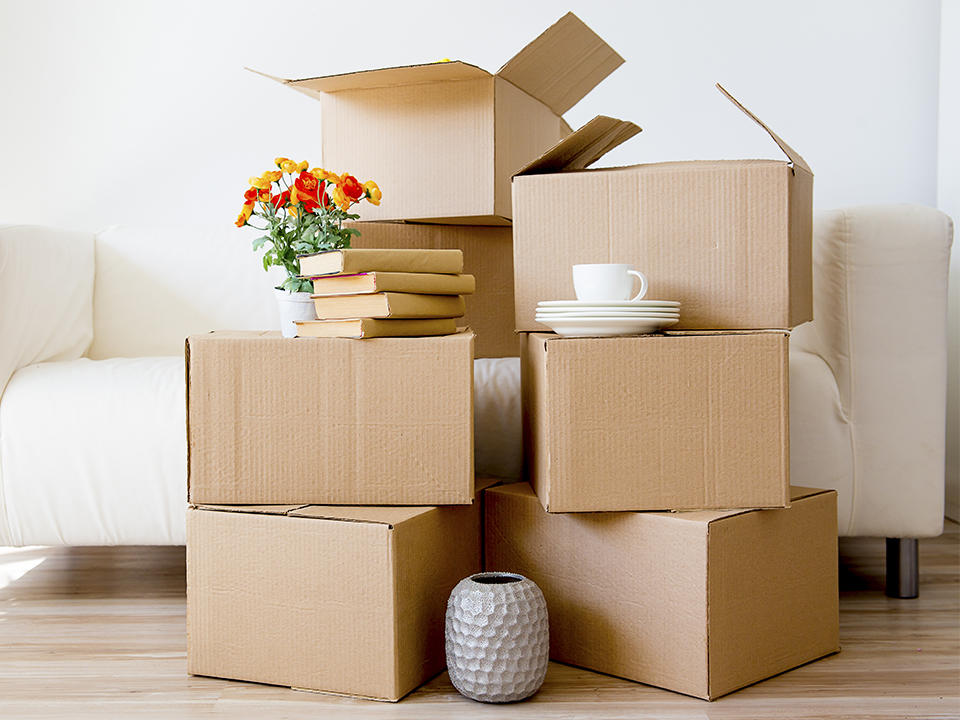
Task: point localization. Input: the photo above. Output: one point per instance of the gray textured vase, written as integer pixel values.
(498, 637)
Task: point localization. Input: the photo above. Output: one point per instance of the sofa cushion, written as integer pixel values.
(94, 453)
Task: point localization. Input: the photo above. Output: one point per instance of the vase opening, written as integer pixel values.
(496, 578)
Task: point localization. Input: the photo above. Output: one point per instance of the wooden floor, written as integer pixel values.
(99, 632)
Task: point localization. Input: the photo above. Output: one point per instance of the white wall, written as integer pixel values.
(948, 200)
(139, 112)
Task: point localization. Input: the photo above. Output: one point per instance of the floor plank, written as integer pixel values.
(99, 632)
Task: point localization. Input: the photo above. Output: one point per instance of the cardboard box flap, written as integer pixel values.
(383, 77)
(255, 509)
(584, 147)
(563, 64)
(798, 492)
(377, 514)
(794, 156)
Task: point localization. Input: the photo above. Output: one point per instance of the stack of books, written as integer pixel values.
(363, 293)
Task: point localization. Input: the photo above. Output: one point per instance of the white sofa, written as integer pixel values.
(92, 445)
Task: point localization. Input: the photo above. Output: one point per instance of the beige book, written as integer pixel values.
(371, 282)
(372, 327)
(389, 305)
(357, 260)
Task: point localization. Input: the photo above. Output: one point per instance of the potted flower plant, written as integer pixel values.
(303, 211)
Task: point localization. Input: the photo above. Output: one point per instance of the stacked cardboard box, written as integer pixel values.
(332, 500)
(622, 433)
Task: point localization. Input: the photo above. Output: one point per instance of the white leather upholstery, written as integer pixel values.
(46, 296)
(880, 304)
(94, 452)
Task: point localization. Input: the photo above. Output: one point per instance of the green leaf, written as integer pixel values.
(258, 243)
(351, 231)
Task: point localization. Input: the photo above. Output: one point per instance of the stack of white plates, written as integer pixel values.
(595, 318)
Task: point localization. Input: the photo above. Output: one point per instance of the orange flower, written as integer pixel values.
(372, 192)
(351, 187)
(306, 190)
(272, 175)
(259, 183)
(250, 196)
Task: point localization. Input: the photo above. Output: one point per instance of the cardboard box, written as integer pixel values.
(487, 255)
(442, 139)
(702, 603)
(346, 600)
(684, 421)
(729, 239)
(332, 421)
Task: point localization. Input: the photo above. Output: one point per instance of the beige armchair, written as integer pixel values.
(868, 377)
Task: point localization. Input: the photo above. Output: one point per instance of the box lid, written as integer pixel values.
(558, 68)
(584, 147)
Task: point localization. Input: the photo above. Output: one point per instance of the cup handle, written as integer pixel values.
(643, 285)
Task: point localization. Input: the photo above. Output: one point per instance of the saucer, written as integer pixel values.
(608, 304)
(606, 326)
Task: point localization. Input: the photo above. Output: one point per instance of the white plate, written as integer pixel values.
(607, 304)
(608, 313)
(606, 327)
(549, 312)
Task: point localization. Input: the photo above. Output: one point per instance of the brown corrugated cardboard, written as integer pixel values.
(388, 124)
(487, 255)
(729, 239)
(383, 421)
(702, 603)
(682, 421)
(347, 600)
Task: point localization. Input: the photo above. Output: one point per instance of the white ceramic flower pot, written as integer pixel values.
(293, 307)
(498, 637)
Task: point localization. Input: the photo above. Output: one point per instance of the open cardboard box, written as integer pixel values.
(684, 421)
(487, 255)
(333, 421)
(729, 239)
(346, 600)
(442, 139)
(702, 603)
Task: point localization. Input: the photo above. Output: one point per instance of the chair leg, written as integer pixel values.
(903, 568)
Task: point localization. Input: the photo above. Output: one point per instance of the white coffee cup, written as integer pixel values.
(607, 282)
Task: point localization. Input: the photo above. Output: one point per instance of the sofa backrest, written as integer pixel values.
(154, 287)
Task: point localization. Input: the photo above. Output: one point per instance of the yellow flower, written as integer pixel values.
(288, 166)
(264, 196)
(372, 192)
(272, 175)
(280, 161)
(260, 183)
(342, 201)
(443, 60)
(321, 174)
(303, 166)
(244, 215)
(291, 208)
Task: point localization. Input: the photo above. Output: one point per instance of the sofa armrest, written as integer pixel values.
(880, 309)
(46, 296)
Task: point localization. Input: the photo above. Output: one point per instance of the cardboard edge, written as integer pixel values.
(294, 82)
(186, 372)
(794, 156)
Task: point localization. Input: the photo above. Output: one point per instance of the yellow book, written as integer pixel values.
(372, 327)
(372, 282)
(358, 260)
(389, 305)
